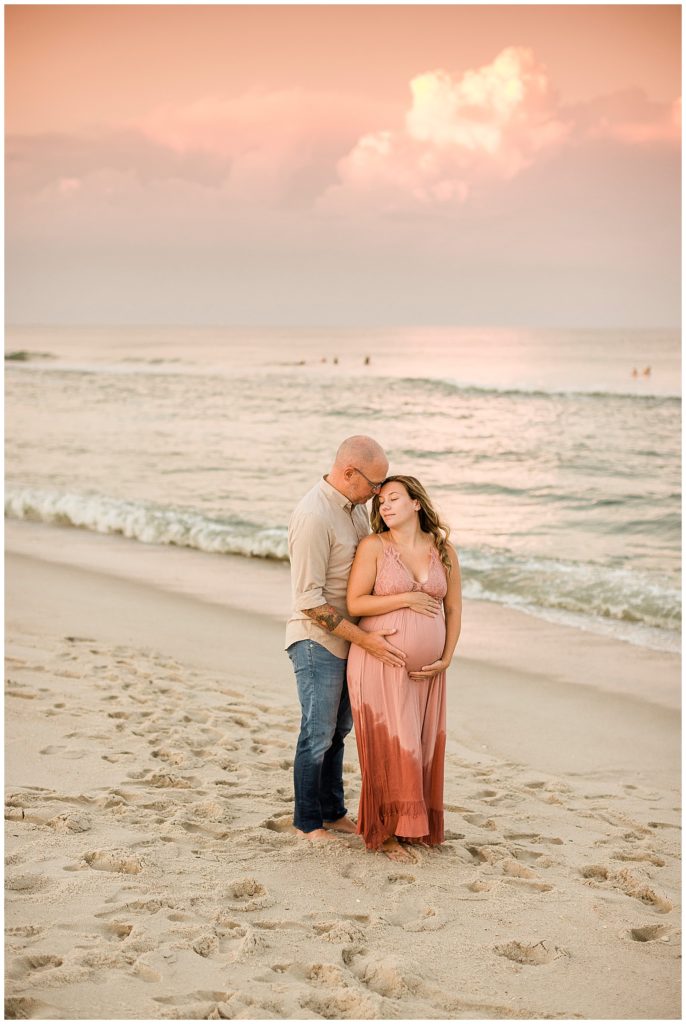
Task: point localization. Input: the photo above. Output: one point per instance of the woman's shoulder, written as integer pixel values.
(371, 543)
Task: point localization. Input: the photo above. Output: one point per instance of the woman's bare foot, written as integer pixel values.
(342, 825)
(394, 851)
(317, 835)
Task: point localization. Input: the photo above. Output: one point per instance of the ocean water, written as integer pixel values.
(557, 469)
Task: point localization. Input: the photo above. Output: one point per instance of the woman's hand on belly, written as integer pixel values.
(429, 671)
(423, 603)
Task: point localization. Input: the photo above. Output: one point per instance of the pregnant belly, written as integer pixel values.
(420, 637)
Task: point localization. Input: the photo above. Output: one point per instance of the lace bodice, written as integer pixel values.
(393, 576)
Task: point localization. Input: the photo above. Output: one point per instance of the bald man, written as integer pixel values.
(323, 534)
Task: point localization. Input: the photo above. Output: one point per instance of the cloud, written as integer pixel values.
(628, 117)
(489, 123)
(278, 146)
(274, 148)
(485, 126)
(35, 163)
(462, 139)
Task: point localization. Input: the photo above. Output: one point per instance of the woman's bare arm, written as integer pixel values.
(452, 607)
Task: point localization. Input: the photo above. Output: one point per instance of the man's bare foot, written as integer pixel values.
(318, 835)
(342, 825)
(394, 851)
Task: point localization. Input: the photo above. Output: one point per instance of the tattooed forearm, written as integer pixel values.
(325, 616)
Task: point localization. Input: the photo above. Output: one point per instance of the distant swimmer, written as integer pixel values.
(335, 359)
(646, 371)
(367, 360)
(634, 372)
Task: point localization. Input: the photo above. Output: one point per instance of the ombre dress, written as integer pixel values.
(400, 722)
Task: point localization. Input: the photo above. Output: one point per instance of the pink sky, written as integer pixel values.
(343, 164)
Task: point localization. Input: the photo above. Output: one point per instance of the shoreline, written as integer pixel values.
(30, 524)
(151, 867)
(492, 634)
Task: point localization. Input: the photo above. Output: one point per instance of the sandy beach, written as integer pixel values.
(151, 870)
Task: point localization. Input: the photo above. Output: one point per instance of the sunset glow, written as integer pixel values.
(199, 135)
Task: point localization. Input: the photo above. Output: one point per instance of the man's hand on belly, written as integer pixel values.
(329, 618)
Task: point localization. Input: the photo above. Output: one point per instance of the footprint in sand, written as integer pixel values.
(480, 886)
(24, 1008)
(117, 758)
(120, 861)
(26, 966)
(488, 854)
(450, 836)
(516, 870)
(212, 810)
(217, 1005)
(175, 758)
(641, 855)
(283, 823)
(535, 837)
(480, 821)
(25, 883)
(389, 977)
(249, 944)
(428, 921)
(117, 931)
(165, 780)
(627, 882)
(342, 1004)
(536, 857)
(328, 975)
(151, 906)
(247, 894)
(533, 954)
(533, 885)
(650, 932)
(340, 932)
(205, 945)
(26, 931)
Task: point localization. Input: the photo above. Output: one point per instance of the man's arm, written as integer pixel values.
(309, 549)
(330, 618)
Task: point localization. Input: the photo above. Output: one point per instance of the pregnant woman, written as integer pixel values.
(405, 576)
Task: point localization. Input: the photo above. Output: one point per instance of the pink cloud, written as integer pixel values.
(278, 148)
(271, 142)
(489, 124)
(461, 135)
(629, 117)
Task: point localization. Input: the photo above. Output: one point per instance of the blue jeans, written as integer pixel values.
(326, 721)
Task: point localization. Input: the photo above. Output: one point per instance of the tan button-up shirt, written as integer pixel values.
(323, 535)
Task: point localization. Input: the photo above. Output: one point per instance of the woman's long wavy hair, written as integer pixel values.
(429, 519)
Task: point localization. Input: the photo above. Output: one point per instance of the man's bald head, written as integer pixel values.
(359, 450)
(359, 468)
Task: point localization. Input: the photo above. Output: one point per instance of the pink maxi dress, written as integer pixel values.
(400, 722)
